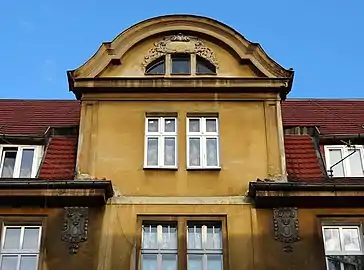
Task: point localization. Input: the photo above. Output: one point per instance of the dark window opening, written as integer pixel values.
(181, 64)
(204, 67)
(157, 67)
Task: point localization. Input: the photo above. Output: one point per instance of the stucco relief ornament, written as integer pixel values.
(75, 227)
(180, 43)
(286, 226)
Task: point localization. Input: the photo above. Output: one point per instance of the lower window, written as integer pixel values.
(200, 246)
(20, 247)
(343, 247)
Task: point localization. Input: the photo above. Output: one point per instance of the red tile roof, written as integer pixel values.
(33, 117)
(59, 158)
(332, 116)
(301, 159)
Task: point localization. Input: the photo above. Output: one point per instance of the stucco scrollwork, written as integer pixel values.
(180, 43)
(286, 226)
(75, 227)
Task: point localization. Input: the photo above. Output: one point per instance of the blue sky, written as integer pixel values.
(322, 40)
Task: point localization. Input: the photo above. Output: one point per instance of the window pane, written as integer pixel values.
(194, 155)
(170, 125)
(9, 262)
(213, 238)
(351, 239)
(333, 265)
(149, 262)
(157, 67)
(169, 151)
(214, 262)
(194, 262)
(211, 151)
(356, 163)
(350, 267)
(26, 163)
(194, 125)
(28, 262)
(150, 237)
(169, 262)
(31, 237)
(8, 163)
(169, 237)
(194, 237)
(181, 64)
(152, 152)
(153, 125)
(335, 156)
(211, 125)
(204, 67)
(332, 240)
(12, 238)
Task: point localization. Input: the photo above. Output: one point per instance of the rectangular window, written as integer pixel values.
(343, 247)
(20, 247)
(189, 243)
(202, 142)
(344, 161)
(19, 161)
(159, 247)
(160, 142)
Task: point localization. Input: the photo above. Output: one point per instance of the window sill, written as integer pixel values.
(203, 168)
(148, 168)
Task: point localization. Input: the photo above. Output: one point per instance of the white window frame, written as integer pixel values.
(158, 251)
(346, 164)
(160, 135)
(20, 252)
(203, 135)
(343, 253)
(38, 153)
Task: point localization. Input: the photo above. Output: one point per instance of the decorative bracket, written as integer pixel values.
(286, 226)
(75, 227)
(180, 44)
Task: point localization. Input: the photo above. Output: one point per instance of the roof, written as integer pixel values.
(59, 158)
(332, 116)
(301, 158)
(33, 117)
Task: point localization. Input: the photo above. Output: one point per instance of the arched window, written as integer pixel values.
(181, 64)
(156, 67)
(203, 66)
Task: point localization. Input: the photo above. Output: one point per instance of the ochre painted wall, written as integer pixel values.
(112, 146)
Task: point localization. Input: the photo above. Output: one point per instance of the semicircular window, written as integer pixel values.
(204, 67)
(157, 67)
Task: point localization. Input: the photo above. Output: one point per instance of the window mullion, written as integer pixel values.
(18, 158)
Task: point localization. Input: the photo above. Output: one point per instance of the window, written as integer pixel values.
(20, 247)
(19, 161)
(343, 247)
(188, 243)
(160, 142)
(204, 246)
(181, 64)
(351, 158)
(204, 67)
(157, 67)
(159, 247)
(202, 142)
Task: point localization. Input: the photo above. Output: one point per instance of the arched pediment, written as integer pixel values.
(187, 30)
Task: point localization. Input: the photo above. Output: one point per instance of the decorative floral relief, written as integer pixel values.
(286, 226)
(180, 44)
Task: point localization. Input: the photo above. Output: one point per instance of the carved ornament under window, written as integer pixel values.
(75, 227)
(180, 44)
(286, 226)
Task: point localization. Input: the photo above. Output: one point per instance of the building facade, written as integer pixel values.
(181, 153)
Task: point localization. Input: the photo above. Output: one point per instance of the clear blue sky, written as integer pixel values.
(323, 40)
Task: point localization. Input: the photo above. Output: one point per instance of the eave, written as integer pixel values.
(307, 195)
(179, 84)
(53, 193)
